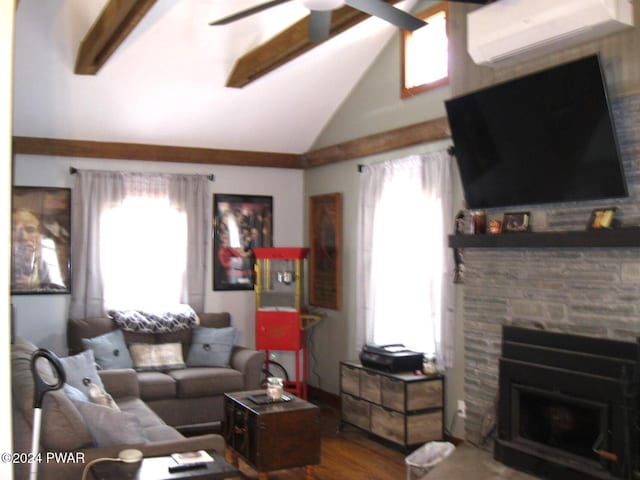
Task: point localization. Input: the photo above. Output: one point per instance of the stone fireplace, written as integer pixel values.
(582, 290)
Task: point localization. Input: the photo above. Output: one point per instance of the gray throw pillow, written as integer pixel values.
(109, 427)
(81, 366)
(110, 350)
(211, 347)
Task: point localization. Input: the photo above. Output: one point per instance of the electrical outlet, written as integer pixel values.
(462, 409)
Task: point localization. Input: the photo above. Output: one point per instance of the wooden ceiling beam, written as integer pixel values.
(429, 131)
(424, 132)
(289, 44)
(115, 23)
(156, 153)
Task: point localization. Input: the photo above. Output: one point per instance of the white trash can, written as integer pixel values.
(422, 460)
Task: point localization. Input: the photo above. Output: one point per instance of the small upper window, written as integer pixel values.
(425, 52)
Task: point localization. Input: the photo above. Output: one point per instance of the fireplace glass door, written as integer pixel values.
(561, 423)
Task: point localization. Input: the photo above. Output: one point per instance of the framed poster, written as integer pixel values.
(40, 240)
(325, 258)
(240, 222)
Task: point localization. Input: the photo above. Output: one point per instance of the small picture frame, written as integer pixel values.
(515, 222)
(602, 219)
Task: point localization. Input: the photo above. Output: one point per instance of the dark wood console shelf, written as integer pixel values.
(621, 237)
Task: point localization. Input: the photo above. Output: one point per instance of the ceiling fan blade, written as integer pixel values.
(247, 12)
(319, 25)
(389, 13)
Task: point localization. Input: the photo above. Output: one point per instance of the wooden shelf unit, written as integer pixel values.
(616, 238)
(403, 408)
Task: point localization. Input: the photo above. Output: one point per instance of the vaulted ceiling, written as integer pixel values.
(163, 77)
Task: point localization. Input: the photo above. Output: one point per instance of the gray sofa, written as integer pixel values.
(189, 399)
(67, 428)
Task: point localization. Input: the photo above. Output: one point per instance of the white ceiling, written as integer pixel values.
(165, 84)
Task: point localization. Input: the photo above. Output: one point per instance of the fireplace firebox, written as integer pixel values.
(568, 405)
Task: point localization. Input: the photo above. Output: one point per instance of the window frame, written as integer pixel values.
(407, 92)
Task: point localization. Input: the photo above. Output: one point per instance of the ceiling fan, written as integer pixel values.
(326, 20)
(320, 16)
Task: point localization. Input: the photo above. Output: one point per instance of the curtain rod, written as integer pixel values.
(74, 170)
(451, 150)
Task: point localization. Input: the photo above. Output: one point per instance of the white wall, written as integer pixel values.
(334, 337)
(42, 318)
(6, 77)
(375, 105)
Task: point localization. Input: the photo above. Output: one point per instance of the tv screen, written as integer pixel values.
(543, 138)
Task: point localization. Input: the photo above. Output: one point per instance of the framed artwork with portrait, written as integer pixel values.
(240, 223)
(40, 240)
(325, 259)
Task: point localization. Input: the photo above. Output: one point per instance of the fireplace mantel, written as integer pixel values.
(621, 237)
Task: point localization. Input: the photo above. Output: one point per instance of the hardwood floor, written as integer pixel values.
(346, 455)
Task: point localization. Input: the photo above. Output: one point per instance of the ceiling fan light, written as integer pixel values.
(323, 4)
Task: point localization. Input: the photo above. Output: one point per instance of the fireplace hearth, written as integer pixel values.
(568, 406)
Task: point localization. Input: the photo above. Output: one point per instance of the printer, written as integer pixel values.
(391, 358)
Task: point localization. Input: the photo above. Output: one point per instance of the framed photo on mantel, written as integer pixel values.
(325, 258)
(515, 222)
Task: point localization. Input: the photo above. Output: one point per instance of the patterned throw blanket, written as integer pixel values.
(182, 317)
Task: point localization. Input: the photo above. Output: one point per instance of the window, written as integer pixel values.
(425, 53)
(404, 265)
(143, 253)
(402, 258)
(140, 241)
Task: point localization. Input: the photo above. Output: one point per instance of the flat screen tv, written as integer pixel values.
(544, 138)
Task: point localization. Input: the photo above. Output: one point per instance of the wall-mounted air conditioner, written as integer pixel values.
(509, 31)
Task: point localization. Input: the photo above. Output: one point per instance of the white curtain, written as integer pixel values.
(405, 268)
(139, 241)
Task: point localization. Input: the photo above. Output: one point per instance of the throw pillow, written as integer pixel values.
(110, 427)
(157, 356)
(211, 347)
(74, 394)
(99, 396)
(110, 350)
(81, 366)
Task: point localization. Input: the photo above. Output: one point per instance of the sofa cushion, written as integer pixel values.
(217, 320)
(156, 385)
(211, 347)
(109, 427)
(156, 356)
(162, 433)
(147, 417)
(206, 381)
(109, 350)
(81, 366)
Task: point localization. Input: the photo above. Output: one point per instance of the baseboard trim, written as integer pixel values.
(315, 395)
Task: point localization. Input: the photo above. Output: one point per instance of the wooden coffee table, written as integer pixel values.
(272, 436)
